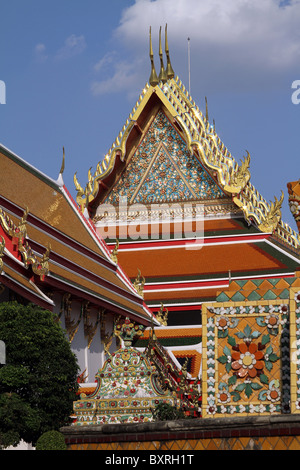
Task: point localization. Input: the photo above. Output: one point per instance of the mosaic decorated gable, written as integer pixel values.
(162, 170)
(247, 365)
(131, 384)
(127, 390)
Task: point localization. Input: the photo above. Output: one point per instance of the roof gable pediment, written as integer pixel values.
(163, 170)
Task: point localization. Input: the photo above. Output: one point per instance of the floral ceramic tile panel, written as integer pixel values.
(247, 365)
(295, 349)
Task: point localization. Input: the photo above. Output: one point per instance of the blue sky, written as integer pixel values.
(74, 70)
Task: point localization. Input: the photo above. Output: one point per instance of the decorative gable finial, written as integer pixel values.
(62, 168)
(162, 315)
(162, 74)
(60, 180)
(139, 283)
(273, 217)
(153, 80)
(206, 110)
(169, 70)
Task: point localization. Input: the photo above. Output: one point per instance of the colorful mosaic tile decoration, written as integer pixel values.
(128, 386)
(259, 289)
(131, 384)
(295, 349)
(162, 170)
(246, 365)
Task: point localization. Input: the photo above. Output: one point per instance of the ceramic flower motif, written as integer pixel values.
(271, 322)
(248, 360)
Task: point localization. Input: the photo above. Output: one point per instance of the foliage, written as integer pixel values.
(166, 412)
(51, 440)
(38, 384)
(16, 418)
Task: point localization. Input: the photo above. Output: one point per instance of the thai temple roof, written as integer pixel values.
(232, 180)
(48, 244)
(168, 153)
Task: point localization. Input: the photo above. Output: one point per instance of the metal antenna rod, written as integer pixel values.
(189, 63)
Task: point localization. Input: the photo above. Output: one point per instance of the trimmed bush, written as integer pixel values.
(167, 412)
(51, 440)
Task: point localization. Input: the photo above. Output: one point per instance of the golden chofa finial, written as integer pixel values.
(60, 180)
(62, 168)
(169, 71)
(206, 110)
(153, 80)
(162, 74)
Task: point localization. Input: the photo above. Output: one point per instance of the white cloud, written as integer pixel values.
(40, 52)
(234, 43)
(73, 45)
(123, 76)
(106, 60)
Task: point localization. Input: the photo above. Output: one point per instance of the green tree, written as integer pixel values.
(38, 383)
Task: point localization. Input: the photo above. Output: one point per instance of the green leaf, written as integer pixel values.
(256, 386)
(235, 396)
(231, 341)
(260, 321)
(269, 350)
(247, 331)
(222, 333)
(222, 359)
(232, 380)
(240, 334)
(223, 386)
(269, 365)
(248, 390)
(255, 334)
(273, 331)
(228, 367)
(265, 339)
(240, 387)
(264, 379)
(273, 357)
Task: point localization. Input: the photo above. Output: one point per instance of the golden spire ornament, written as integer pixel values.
(153, 80)
(62, 168)
(162, 74)
(169, 70)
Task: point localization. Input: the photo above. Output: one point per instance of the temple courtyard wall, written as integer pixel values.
(275, 432)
